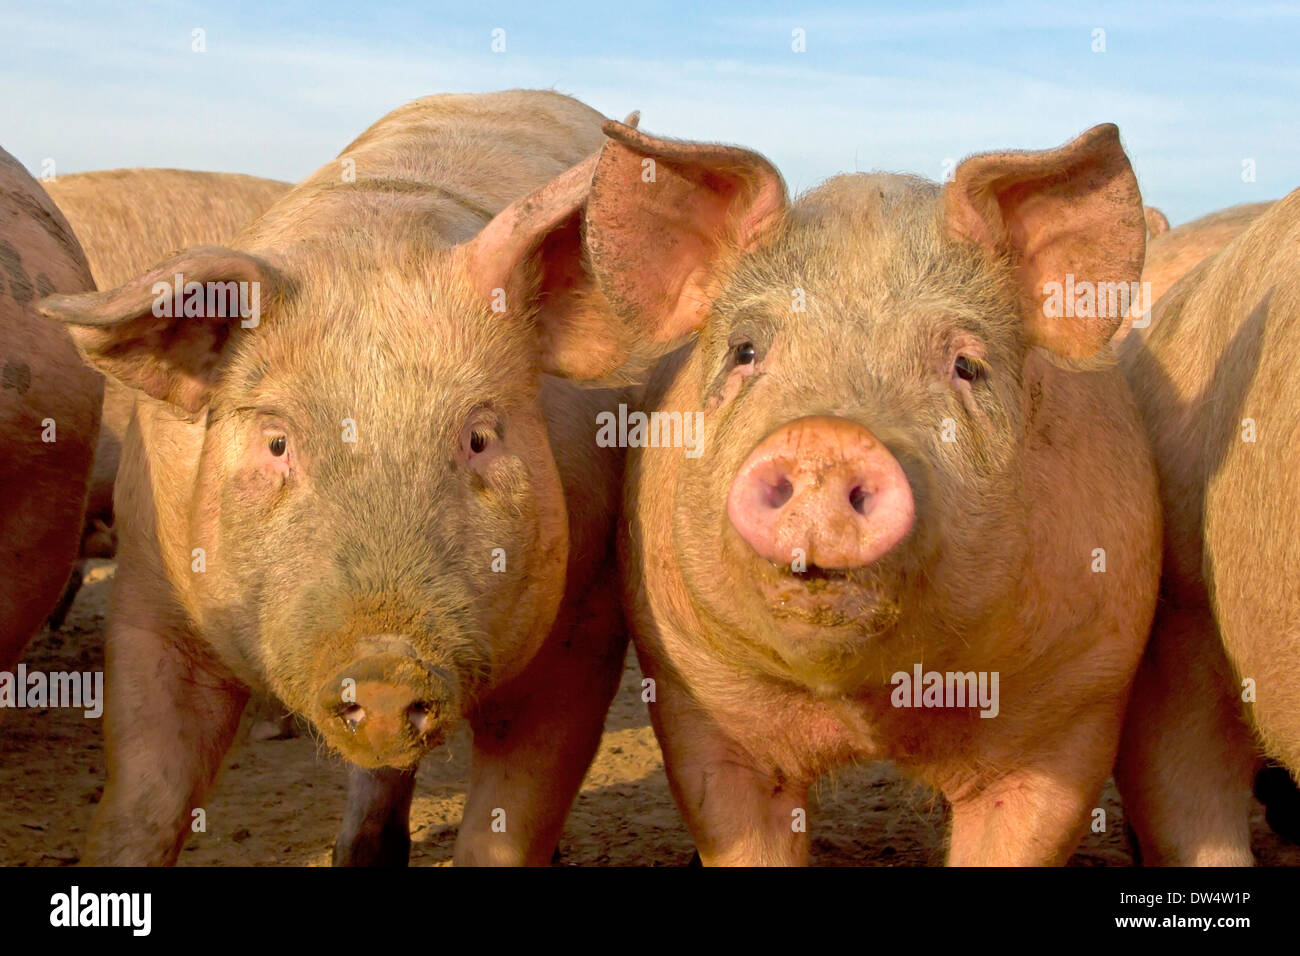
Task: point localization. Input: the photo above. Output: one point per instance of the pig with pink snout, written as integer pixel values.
(922, 523)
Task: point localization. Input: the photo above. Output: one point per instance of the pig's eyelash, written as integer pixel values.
(980, 366)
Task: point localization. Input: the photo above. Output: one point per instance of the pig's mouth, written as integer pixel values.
(830, 598)
(817, 573)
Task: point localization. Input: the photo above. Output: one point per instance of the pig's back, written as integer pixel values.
(1173, 254)
(436, 169)
(130, 219)
(42, 377)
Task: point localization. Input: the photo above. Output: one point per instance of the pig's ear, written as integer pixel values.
(663, 218)
(529, 261)
(1070, 211)
(1157, 222)
(165, 346)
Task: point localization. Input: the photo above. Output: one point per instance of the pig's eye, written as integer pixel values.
(277, 445)
(967, 369)
(481, 439)
(744, 353)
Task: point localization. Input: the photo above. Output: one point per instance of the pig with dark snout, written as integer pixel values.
(1216, 379)
(49, 410)
(373, 498)
(912, 461)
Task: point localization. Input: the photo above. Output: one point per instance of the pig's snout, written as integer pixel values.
(387, 709)
(824, 486)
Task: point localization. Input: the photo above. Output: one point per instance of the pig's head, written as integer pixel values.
(383, 526)
(861, 363)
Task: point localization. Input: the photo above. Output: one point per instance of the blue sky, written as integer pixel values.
(1196, 88)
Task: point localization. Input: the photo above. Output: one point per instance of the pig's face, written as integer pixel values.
(384, 526)
(383, 529)
(900, 334)
(859, 502)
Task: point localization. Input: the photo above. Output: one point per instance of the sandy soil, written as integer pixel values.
(278, 802)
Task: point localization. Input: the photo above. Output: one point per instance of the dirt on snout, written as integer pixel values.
(279, 802)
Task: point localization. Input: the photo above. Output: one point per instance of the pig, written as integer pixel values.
(1216, 384)
(1167, 261)
(49, 410)
(1157, 222)
(908, 467)
(376, 495)
(128, 219)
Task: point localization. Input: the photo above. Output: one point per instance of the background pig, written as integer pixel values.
(128, 219)
(371, 499)
(1172, 253)
(1157, 222)
(1169, 257)
(42, 380)
(828, 537)
(1217, 385)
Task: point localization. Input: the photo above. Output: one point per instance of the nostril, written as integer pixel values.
(779, 493)
(858, 500)
(353, 716)
(418, 714)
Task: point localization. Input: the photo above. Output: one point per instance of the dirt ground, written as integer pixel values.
(278, 802)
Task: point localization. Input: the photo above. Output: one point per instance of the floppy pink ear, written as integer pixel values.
(529, 261)
(663, 218)
(165, 333)
(1069, 216)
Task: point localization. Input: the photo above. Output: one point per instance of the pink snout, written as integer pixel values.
(825, 486)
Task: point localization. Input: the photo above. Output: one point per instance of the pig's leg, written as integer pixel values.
(535, 738)
(1187, 757)
(1035, 815)
(170, 715)
(376, 827)
(70, 591)
(739, 814)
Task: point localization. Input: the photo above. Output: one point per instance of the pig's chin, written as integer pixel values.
(829, 628)
(826, 630)
(828, 603)
(859, 604)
